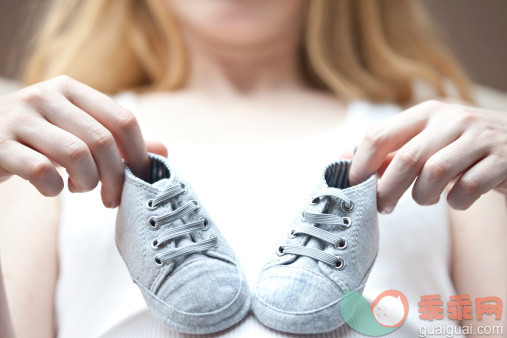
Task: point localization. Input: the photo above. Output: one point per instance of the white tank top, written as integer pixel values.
(252, 192)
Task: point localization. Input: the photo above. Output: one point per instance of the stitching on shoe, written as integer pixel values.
(166, 275)
(296, 268)
(359, 219)
(135, 181)
(312, 312)
(142, 233)
(302, 313)
(198, 327)
(241, 282)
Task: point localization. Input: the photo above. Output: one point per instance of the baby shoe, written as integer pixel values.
(330, 248)
(186, 271)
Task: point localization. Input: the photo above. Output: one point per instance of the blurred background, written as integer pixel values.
(475, 30)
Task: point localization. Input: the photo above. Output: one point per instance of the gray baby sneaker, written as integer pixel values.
(330, 248)
(186, 271)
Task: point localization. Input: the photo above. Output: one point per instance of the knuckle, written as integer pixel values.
(76, 151)
(126, 120)
(488, 133)
(375, 136)
(101, 138)
(65, 82)
(409, 157)
(466, 119)
(431, 106)
(41, 170)
(33, 95)
(470, 186)
(22, 120)
(436, 169)
(63, 79)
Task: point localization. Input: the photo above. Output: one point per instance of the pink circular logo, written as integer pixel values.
(390, 308)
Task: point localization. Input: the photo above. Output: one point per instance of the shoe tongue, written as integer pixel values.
(311, 242)
(336, 176)
(163, 184)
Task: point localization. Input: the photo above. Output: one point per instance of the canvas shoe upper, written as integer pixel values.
(330, 247)
(186, 271)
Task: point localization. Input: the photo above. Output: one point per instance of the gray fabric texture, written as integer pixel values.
(299, 290)
(186, 271)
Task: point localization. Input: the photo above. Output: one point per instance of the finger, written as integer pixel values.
(444, 166)
(386, 138)
(385, 164)
(479, 179)
(27, 163)
(65, 149)
(156, 148)
(99, 140)
(407, 164)
(118, 120)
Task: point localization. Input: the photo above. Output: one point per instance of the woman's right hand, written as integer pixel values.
(64, 122)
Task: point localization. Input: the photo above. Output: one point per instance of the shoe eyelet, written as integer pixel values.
(152, 223)
(315, 200)
(291, 234)
(347, 208)
(279, 251)
(158, 262)
(347, 222)
(154, 245)
(341, 245)
(303, 217)
(340, 264)
(205, 223)
(184, 187)
(150, 205)
(197, 205)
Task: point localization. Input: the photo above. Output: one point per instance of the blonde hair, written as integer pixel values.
(369, 49)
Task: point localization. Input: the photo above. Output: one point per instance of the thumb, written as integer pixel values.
(156, 147)
(380, 171)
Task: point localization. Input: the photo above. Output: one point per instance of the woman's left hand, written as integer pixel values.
(435, 143)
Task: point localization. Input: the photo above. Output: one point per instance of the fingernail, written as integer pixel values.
(116, 203)
(112, 204)
(386, 210)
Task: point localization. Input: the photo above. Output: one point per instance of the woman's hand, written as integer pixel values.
(434, 143)
(62, 121)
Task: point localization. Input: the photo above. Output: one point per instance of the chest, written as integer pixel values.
(237, 121)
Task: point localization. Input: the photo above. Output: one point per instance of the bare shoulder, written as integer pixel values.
(28, 250)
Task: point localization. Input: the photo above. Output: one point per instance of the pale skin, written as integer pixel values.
(63, 122)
